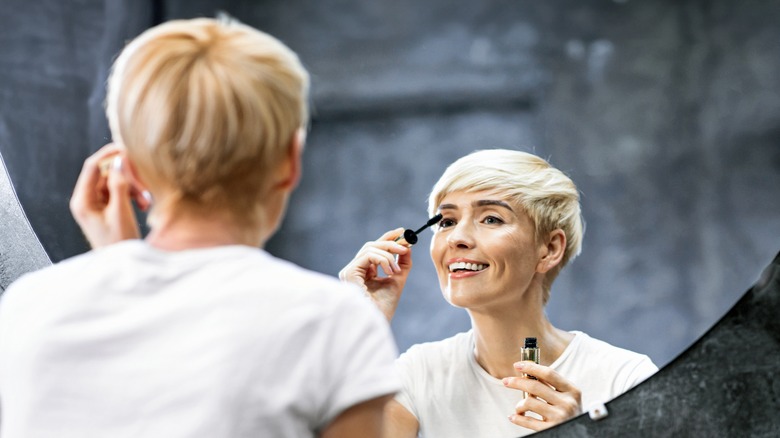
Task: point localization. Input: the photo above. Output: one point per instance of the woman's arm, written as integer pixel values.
(399, 422)
(365, 419)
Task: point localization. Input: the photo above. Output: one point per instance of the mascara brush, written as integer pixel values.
(410, 236)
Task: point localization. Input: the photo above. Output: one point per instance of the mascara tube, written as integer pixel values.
(530, 352)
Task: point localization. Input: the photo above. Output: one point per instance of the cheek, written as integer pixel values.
(526, 251)
(438, 244)
(515, 249)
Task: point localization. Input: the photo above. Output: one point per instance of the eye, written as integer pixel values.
(492, 220)
(446, 222)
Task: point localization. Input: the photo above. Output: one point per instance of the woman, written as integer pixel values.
(510, 223)
(194, 330)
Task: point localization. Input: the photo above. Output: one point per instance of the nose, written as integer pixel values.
(462, 235)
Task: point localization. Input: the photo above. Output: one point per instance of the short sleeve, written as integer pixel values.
(404, 366)
(360, 358)
(642, 369)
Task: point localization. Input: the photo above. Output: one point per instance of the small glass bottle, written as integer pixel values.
(530, 352)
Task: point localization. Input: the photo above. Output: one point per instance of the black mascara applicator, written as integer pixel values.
(410, 236)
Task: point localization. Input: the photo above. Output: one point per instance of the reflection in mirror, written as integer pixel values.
(510, 223)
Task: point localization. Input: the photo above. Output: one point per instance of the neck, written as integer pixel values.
(499, 336)
(181, 232)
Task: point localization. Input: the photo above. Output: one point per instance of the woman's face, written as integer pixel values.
(484, 251)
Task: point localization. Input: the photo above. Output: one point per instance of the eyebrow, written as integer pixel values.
(479, 203)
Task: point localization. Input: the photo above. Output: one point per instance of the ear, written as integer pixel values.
(292, 166)
(551, 251)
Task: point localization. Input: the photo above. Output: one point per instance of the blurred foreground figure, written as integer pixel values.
(195, 330)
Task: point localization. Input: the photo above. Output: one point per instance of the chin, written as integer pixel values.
(458, 298)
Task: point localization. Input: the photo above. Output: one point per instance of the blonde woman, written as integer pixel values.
(193, 331)
(510, 223)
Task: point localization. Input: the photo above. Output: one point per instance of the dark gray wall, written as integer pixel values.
(666, 114)
(48, 69)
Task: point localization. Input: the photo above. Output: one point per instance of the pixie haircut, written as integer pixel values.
(206, 109)
(549, 197)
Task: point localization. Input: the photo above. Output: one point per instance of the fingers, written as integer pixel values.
(365, 266)
(102, 199)
(546, 374)
(531, 387)
(119, 210)
(138, 191)
(143, 199)
(88, 193)
(551, 398)
(402, 254)
(393, 259)
(537, 414)
(383, 258)
(392, 235)
(381, 253)
(526, 415)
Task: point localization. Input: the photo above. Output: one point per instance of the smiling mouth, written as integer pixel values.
(467, 267)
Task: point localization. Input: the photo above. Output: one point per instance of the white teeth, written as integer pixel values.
(467, 266)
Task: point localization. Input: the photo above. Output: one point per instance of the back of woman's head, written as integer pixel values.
(206, 109)
(547, 195)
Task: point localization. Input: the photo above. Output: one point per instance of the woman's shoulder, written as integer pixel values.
(585, 345)
(598, 362)
(437, 354)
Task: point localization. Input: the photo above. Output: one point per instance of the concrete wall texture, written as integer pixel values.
(666, 114)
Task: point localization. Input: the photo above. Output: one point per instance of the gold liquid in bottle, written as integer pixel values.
(530, 352)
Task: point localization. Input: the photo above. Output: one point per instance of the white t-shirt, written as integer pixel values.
(130, 341)
(452, 396)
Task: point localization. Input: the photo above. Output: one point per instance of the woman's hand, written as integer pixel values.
(552, 397)
(363, 270)
(102, 201)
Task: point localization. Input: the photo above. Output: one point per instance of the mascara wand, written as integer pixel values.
(410, 236)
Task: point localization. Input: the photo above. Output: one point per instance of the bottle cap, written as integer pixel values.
(530, 342)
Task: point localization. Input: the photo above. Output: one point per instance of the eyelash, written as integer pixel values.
(447, 222)
(442, 223)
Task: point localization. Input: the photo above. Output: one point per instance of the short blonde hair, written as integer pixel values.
(206, 108)
(547, 195)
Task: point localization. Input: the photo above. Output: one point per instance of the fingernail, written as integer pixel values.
(519, 365)
(512, 417)
(116, 164)
(147, 195)
(505, 381)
